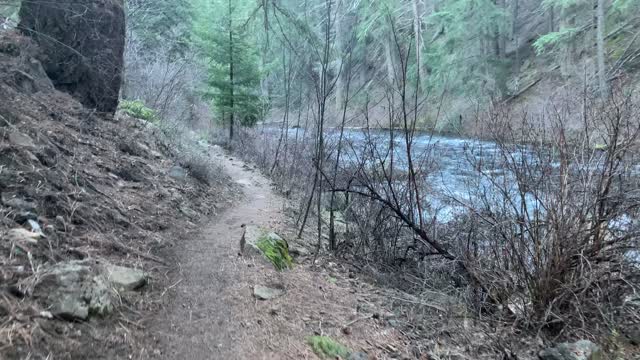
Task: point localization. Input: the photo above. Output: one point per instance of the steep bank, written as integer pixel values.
(79, 186)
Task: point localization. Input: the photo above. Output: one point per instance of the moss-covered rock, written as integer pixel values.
(261, 242)
(276, 250)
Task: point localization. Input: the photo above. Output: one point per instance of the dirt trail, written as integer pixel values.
(213, 314)
(205, 320)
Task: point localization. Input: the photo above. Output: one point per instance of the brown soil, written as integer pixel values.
(212, 314)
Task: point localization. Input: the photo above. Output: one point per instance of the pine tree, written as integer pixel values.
(232, 62)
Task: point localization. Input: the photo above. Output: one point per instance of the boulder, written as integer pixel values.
(20, 139)
(580, 350)
(82, 43)
(252, 235)
(123, 278)
(267, 293)
(73, 291)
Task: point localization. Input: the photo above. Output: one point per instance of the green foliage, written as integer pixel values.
(448, 57)
(550, 40)
(276, 250)
(327, 348)
(138, 109)
(231, 58)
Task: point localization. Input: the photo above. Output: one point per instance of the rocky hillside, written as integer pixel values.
(89, 203)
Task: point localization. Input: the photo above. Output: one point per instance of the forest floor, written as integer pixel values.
(211, 313)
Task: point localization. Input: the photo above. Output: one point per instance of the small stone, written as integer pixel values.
(393, 323)
(178, 172)
(35, 227)
(125, 278)
(358, 356)
(267, 293)
(20, 139)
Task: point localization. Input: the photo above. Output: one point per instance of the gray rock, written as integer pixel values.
(19, 204)
(580, 350)
(358, 356)
(20, 139)
(74, 290)
(298, 250)
(95, 76)
(178, 172)
(267, 293)
(189, 212)
(123, 278)
(252, 235)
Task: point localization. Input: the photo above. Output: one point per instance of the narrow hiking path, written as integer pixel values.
(213, 315)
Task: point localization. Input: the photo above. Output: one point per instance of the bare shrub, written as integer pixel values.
(552, 235)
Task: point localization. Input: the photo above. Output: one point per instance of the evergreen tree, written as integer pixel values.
(232, 62)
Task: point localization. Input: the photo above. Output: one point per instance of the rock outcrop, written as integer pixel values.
(73, 291)
(76, 290)
(82, 45)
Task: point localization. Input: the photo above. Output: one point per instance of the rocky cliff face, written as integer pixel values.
(82, 43)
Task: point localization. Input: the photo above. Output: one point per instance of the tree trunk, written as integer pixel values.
(231, 99)
(340, 49)
(516, 42)
(600, 30)
(568, 50)
(388, 53)
(418, 28)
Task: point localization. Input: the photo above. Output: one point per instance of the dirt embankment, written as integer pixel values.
(78, 186)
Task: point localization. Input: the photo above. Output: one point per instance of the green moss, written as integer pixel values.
(600, 147)
(327, 348)
(276, 250)
(137, 109)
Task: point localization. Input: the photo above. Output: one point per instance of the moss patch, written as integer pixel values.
(276, 250)
(137, 109)
(327, 348)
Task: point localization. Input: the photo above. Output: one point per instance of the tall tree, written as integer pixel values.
(600, 34)
(232, 61)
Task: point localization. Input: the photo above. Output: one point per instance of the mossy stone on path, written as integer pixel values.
(269, 245)
(275, 249)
